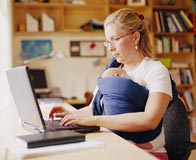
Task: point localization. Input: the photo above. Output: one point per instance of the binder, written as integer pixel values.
(49, 138)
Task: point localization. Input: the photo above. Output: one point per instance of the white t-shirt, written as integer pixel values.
(154, 74)
(157, 79)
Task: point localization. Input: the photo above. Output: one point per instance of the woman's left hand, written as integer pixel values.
(77, 119)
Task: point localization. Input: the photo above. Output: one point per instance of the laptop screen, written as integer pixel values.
(39, 80)
(24, 97)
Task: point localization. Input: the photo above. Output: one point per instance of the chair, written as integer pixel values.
(89, 96)
(177, 131)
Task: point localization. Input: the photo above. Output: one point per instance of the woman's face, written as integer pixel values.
(121, 43)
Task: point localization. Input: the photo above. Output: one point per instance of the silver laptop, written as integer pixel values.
(28, 107)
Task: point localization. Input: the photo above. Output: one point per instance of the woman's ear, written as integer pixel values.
(136, 36)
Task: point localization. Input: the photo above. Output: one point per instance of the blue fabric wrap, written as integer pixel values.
(136, 97)
(121, 95)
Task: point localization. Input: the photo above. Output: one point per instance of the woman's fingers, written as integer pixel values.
(71, 119)
(59, 114)
(75, 119)
(55, 110)
(66, 119)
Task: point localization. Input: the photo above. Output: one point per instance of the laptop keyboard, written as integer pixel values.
(53, 125)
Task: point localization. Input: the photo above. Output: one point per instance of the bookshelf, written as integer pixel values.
(53, 9)
(179, 46)
(175, 45)
(67, 17)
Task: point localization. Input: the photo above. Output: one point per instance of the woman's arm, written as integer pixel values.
(60, 111)
(85, 111)
(139, 121)
(129, 122)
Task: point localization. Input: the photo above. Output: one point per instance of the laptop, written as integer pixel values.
(28, 107)
(39, 80)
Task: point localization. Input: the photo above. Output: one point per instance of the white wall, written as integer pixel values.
(73, 76)
(5, 51)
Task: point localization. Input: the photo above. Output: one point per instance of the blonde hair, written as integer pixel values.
(131, 21)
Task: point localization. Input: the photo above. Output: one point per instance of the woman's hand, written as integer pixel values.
(78, 119)
(58, 111)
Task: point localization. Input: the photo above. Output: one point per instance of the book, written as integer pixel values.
(175, 74)
(165, 15)
(173, 22)
(184, 76)
(177, 22)
(166, 62)
(186, 20)
(171, 25)
(189, 100)
(190, 78)
(181, 22)
(183, 99)
(175, 45)
(31, 23)
(180, 64)
(159, 45)
(157, 20)
(161, 21)
(166, 44)
(48, 24)
(49, 138)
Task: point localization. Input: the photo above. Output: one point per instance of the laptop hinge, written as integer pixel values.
(32, 128)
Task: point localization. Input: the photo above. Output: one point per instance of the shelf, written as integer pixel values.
(36, 33)
(37, 5)
(118, 6)
(66, 31)
(178, 4)
(173, 34)
(180, 54)
(162, 7)
(86, 6)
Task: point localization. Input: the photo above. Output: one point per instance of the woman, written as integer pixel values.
(127, 39)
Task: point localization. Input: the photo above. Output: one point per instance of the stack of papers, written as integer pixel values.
(23, 152)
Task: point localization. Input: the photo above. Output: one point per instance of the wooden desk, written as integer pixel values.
(115, 148)
(75, 101)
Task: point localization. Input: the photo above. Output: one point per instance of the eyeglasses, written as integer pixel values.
(112, 42)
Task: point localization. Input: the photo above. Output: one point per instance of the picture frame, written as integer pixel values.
(87, 49)
(33, 49)
(136, 2)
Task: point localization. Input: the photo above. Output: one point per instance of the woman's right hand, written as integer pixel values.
(58, 111)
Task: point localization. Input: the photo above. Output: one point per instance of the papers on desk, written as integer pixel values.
(23, 152)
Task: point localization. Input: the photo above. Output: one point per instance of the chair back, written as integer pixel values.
(177, 130)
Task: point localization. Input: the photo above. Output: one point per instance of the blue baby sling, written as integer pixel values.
(120, 95)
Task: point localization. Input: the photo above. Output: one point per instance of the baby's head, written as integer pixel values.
(117, 72)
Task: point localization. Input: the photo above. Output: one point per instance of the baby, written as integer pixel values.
(118, 72)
